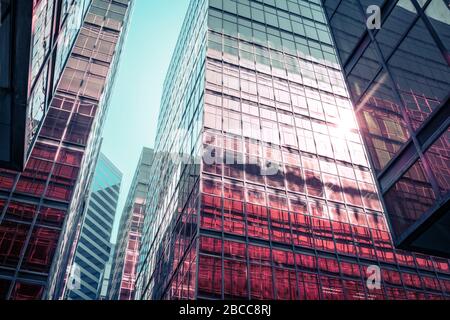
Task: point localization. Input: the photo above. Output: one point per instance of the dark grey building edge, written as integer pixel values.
(15, 40)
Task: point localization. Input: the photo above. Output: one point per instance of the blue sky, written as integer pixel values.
(134, 106)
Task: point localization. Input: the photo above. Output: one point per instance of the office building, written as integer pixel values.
(399, 82)
(297, 214)
(125, 258)
(93, 246)
(36, 38)
(41, 208)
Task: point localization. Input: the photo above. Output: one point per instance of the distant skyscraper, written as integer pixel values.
(93, 247)
(36, 38)
(288, 208)
(123, 271)
(41, 208)
(399, 81)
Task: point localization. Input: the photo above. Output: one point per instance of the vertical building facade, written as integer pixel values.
(41, 208)
(93, 247)
(125, 258)
(36, 38)
(257, 85)
(399, 82)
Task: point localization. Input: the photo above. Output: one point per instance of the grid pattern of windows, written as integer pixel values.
(36, 204)
(125, 258)
(399, 80)
(93, 248)
(275, 97)
(51, 31)
(170, 219)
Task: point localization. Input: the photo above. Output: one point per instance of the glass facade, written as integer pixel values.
(93, 248)
(288, 208)
(36, 53)
(99, 55)
(399, 82)
(41, 208)
(126, 254)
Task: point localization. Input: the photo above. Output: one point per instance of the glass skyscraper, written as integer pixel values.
(399, 82)
(36, 38)
(41, 207)
(289, 208)
(125, 257)
(93, 246)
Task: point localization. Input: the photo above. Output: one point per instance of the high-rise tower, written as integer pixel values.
(126, 254)
(41, 208)
(36, 38)
(399, 81)
(93, 245)
(288, 207)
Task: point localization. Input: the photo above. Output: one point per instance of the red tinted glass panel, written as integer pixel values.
(7, 179)
(211, 246)
(286, 287)
(261, 282)
(40, 250)
(258, 224)
(51, 217)
(235, 280)
(308, 286)
(235, 250)
(354, 290)
(409, 198)
(44, 151)
(12, 241)
(79, 129)
(25, 291)
(332, 288)
(59, 191)
(211, 214)
(210, 277)
(234, 217)
(55, 123)
(70, 157)
(19, 211)
(259, 254)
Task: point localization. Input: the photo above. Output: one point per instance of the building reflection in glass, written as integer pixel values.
(274, 93)
(399, 80)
